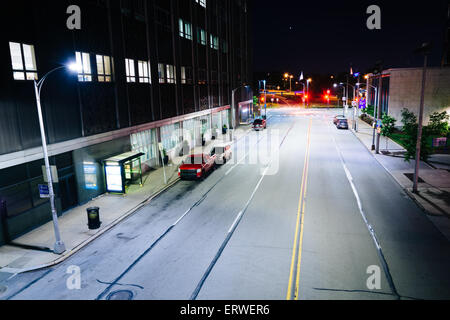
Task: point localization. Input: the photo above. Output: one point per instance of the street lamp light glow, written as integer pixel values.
(74, 67)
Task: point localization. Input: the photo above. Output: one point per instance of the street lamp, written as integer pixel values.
(265, 97)
(59, 246)
(375, 112)
(343, 95)
(307, 90)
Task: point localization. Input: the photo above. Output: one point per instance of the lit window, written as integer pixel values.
(144, 72)
(130, 70)
(161, 73)
(214, 42)
(171, 78)
(84, 67)
(201, 36)
(186, 75)
(23, 61)
(185, 29)
(201, 2)
(104, 68)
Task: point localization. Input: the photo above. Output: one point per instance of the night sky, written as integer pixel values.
(328, 36)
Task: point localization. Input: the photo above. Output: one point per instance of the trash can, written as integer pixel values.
(93, 218)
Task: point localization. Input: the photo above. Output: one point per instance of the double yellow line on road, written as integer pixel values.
(294, 277)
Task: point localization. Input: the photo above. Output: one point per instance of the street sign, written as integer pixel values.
(362, 103)
(44, 192)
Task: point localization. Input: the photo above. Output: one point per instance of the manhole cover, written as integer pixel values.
(120, 295)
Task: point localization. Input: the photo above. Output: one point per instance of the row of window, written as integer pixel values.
(24, 68)
(186, 32)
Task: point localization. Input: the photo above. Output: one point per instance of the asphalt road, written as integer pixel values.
(306, 223)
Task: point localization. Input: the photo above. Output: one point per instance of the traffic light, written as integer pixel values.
(262, 100)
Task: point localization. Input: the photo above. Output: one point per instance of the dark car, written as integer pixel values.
(259, 124)
(197, 166)
(223, 153)
(337, 118)
(342, 124)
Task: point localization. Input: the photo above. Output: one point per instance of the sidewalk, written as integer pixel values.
(73, 224)
(434, 186)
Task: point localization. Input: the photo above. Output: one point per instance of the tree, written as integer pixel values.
(388, 127)
(439, 124)
(408, 118)
(410, 129)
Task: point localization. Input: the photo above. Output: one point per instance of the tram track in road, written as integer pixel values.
(181, 218)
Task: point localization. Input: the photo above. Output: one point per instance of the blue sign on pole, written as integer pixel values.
(362, 103)
(44, 192)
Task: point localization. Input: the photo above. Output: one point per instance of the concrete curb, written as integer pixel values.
(106, 229)
(94, 237)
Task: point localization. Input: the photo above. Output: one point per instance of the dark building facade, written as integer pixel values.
(149, 72)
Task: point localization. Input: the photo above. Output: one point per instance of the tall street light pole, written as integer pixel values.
(59, 246)
(307, 91)
(426, 50)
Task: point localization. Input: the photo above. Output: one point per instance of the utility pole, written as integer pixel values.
(425, 49)
(379, 71)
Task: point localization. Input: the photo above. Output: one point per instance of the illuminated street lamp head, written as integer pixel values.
(286, 75)
(309, 80)
(74, 67)
(366, 76)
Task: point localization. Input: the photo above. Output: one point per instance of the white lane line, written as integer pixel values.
(368, 225)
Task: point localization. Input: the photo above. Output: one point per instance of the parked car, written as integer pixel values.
(223, 153)
(342, 124)
(197, 166)
(259, 124)
(337, 118)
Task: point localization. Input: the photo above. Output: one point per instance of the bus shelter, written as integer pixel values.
(123, 170)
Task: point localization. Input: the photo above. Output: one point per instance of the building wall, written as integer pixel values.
(89, 121)
(405, 91)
